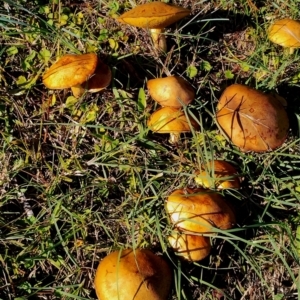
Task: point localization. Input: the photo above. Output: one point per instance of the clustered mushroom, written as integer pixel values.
(173, 93)
(79, 72)
(250, 119)
(194, 212)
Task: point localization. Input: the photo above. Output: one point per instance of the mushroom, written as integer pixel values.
(199, 210)
(171, 91)
(70, 70)
(133, 274)
(218, 174)
(286, 33)
(96, 83)
(252, 120)
(189, 246)
(78, 71)
(171, 120)
(154, 16)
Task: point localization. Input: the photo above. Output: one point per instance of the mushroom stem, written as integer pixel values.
(77, 90)
(292, 50)
(159, 39)
(174, 138)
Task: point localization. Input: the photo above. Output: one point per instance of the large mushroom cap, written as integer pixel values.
(171, 91)
(170, 120)
(285, 32)
(70, 70)
(252, 120)
(157, 15)
(133, 274)
(190, 247)
(218, 174)
(199, 210)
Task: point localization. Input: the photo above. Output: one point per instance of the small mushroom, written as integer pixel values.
(199, 210)
(171, 91)
(133, 274)
(286, 33)
(218, 174)
(70, 70)
(96, 83)
(252, 120)
(189, 246)
(154, 16)
(171, 120)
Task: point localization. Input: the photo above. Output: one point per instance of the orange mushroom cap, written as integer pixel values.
(190, 247)
(155, 14)
(70, 70)
(133, 274)
(199, 210)
(171, 91)
(252, 120)
(218, 174)
(170, 120)
(285, 32)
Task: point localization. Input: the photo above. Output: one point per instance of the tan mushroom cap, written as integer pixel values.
(199, 210)
(171, 91)
(218, 174)
(285, 32)
(252, 120)
(170, 120)
(157, 15)
(133, 274)
(97, 82)
(190, 247)
(70, 70)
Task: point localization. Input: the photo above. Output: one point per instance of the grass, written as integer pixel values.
(79, 180)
